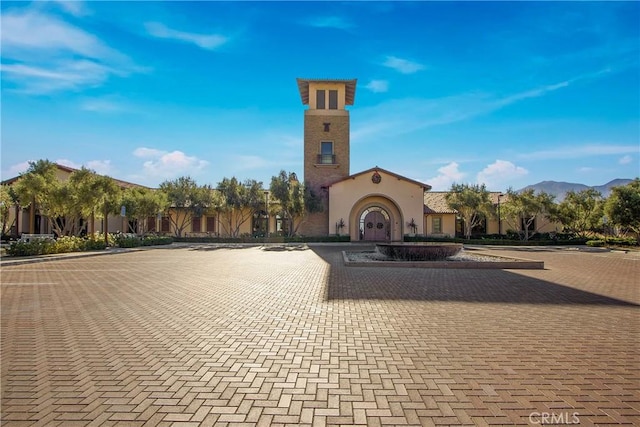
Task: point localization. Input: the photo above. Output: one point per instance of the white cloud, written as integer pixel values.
(403, 66)
(447, 175)
(44, 54)
(101, 167)
(378, 86)
(36, 31)
(166, 165)
(625, 160)
(496, 175)
(204, 41)
(17, 169)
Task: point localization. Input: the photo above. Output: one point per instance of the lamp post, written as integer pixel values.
(266, 209)
(499, 217)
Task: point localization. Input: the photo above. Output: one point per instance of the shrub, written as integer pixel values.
(621, 241)
(127, 241)
(64, 244)
(35, 247)
(156, 240)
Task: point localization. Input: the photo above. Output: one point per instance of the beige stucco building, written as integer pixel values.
(374, 204)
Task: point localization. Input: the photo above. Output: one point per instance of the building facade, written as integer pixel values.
(371, 205)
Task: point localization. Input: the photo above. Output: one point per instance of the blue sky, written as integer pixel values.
(506, 93)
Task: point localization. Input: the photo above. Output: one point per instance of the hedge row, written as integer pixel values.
(50, 246)
(613, 241)
(67, 244)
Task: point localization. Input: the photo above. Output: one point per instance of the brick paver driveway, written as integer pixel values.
(197, 336)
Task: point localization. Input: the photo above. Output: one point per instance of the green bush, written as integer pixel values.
(35, 247)
(63, 244)
(621, 241)
(156, 240)
(127, 241)
(595, 243)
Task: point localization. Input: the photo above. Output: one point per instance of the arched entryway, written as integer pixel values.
(375, 217)
(374, 224)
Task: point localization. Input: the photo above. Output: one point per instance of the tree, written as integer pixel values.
(188, 200)
(581, 212)
(293, 200)
(623, 206)
(527, 211)
(38, 188)
(8, 198)
(142, 203)
(109, 201)
(472, 203)
(239, 202)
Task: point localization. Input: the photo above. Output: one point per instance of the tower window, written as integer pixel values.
(326, 153)
(320, 104)
(333, 99)
(326, 126)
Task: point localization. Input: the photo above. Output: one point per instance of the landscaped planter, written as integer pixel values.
(418, 251)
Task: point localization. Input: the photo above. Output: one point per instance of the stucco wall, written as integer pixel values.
(348, 198)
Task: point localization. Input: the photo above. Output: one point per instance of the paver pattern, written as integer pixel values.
(196, 336)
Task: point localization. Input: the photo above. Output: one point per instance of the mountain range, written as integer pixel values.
(560, 189)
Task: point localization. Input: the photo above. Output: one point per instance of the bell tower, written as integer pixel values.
(326, 141)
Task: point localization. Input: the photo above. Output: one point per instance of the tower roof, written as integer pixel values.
(350, 88)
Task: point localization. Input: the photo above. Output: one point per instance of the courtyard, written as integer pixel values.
(196, 335)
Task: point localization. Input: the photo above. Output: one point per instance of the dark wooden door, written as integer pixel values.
(376, 227)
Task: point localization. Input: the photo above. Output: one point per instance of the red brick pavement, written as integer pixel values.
(196, 337)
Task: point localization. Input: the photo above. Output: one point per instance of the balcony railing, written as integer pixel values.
(326, 159)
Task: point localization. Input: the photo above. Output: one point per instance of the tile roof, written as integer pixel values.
(436, 203)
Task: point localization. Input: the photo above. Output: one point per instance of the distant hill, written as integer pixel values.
(560, 189)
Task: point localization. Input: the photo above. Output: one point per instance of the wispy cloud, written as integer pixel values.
(204, 41)
(378, 86)
(401, 116)
(403, 66)
(108, 104)
(578, 151)
(500, 172)
(162, 164)
(76, 8)
(625, 160)
(338, 22)
(44, 54)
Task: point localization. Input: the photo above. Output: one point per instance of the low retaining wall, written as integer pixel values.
(507, 264)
